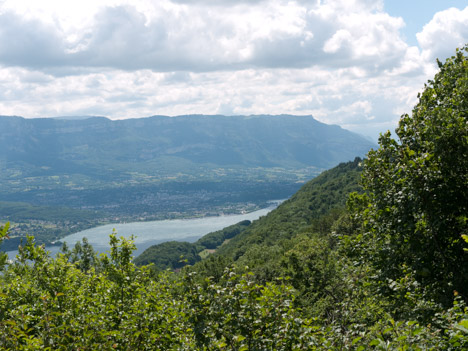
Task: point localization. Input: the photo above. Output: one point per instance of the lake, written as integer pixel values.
(155, 232)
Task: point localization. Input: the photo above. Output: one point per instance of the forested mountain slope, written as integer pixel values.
(308, 209)
(174, 254)
(313, 208)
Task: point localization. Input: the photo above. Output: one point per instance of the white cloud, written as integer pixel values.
(341, 38)
(447, 30)
(28, 43)
(343, 61)
(190, 37)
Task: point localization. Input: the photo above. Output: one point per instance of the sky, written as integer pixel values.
(356, 63)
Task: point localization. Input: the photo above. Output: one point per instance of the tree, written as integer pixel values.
(3, 235)
(418, 189)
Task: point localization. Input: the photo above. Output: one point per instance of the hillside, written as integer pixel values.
(312, 209)
(174, 254)
(307, 209)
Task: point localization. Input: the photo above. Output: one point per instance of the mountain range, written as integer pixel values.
(60, 145)
(98, 163)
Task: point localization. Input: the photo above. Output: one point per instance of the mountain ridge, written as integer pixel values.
(144, 165)
(256, 140)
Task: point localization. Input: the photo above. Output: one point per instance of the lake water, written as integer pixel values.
(155, 232)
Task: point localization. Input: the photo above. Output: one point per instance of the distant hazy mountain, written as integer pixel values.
(62, 145)
(160, 167)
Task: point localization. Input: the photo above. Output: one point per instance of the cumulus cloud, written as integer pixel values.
(218, 2)
(343, 61)
(447, 30)
(29, 43)
(189, 37)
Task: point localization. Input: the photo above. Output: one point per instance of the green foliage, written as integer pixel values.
(49, 303)
(465, 238)
(418, 190)
(304, 211)
(171, 254)
(312, 210)
(175, 254)
(215, 239)
(314, 271)
(83, 255)
(3, 236)
(239, 314)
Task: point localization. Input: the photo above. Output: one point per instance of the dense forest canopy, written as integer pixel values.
(418, 189)
(388, 271)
